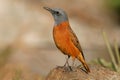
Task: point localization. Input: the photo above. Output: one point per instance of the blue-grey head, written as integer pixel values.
(58, 14)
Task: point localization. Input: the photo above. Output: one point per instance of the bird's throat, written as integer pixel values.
(62, 24)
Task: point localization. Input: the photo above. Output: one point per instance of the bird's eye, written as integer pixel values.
(57, 12)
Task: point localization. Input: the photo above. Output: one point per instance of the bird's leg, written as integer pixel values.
(73, 58)
(67, 68)
(66, 63)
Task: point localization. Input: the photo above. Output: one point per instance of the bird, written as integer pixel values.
(64, 37)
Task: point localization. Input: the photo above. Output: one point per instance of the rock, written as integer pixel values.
(97, 73)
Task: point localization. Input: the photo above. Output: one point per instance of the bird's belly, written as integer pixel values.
(63, 42)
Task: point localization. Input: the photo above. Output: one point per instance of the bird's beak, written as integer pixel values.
(48, 9)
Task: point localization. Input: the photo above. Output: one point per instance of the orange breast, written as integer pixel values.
(62, 39)
(61, 35)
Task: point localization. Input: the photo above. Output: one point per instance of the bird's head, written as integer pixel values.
(58, 14)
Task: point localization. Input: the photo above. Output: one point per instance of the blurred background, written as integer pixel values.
(27, 49)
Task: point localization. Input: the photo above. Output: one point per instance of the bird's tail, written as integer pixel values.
(81, 59)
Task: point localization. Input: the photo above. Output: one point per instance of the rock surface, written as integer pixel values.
(97, 73)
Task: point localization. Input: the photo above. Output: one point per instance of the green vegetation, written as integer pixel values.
(18, 75)
(4, 55)
(114, 55)
(114, 3)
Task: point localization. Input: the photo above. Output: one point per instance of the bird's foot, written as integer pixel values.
(68, 68)
(65, 68)
(82, 68)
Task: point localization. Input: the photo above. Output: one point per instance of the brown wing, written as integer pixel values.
(75, 41)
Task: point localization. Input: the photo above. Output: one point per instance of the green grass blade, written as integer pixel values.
(110, 51)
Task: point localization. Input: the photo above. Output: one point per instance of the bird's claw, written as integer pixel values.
(66, 68)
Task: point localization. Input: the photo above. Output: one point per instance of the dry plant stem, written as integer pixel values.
(117, 52)
(110, 51)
